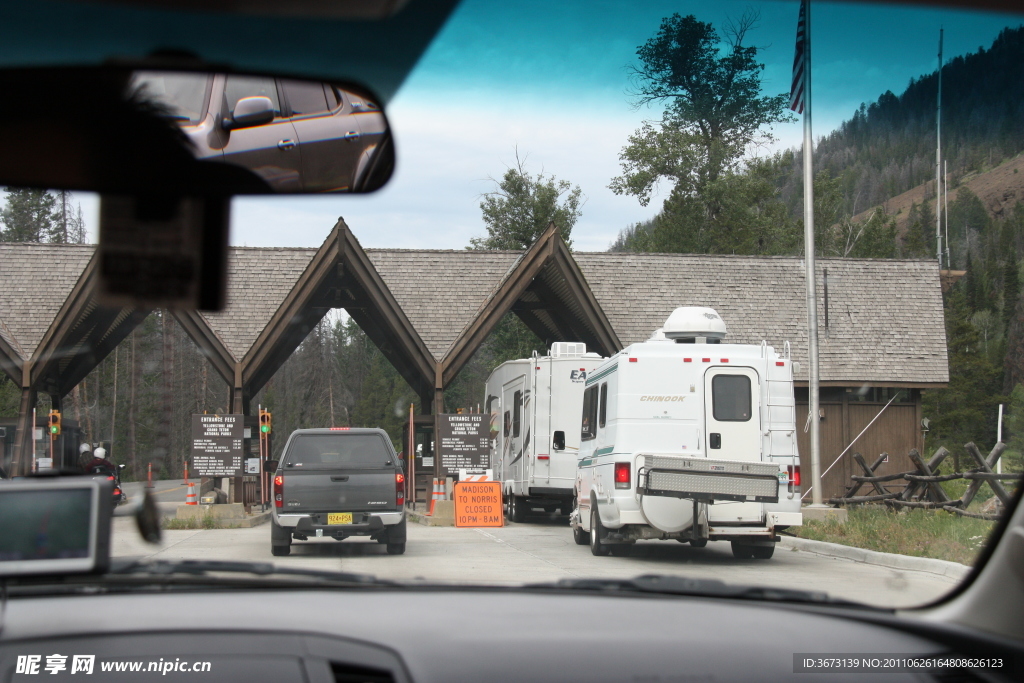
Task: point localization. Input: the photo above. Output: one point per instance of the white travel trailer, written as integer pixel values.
(535, 405)
(685, 437)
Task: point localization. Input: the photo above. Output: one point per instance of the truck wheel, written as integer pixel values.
(596, 534)
(517, 511)
(396, 548)
(280, 550)
(580, 536)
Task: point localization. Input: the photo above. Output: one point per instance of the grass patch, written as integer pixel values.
(922, 533)
(204, 522)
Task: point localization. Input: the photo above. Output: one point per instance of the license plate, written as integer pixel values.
(339, 517)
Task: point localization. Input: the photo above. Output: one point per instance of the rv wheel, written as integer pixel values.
(763, 552)
(596, 534)
(516, 509)
(698, 542)
(580, 535)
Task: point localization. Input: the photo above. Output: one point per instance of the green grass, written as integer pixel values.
(923, 533)
(204, 522)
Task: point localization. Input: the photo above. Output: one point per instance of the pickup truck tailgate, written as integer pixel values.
(338, 473)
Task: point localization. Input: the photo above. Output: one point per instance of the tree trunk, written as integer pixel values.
(113, 407)
(133, 383)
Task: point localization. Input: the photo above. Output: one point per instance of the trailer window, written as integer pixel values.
(604, 405)
(589, 428)
(730, 398)
(508, 423)
(517, 413)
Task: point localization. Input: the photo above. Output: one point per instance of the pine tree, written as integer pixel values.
(1011, 285)
(29, 215)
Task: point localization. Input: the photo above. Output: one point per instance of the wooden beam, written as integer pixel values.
(594, 314)
(10, 361)
(210, 345)
(500, 302)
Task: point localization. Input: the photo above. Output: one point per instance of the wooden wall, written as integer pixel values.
(895, 432)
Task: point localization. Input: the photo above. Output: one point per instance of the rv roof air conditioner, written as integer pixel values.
(568, 349)
(694, 325)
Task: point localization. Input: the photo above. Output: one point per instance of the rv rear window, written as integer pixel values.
(589, 428)
(730, 395)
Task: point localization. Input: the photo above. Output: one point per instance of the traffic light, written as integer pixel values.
(54, 423)
(265, 427)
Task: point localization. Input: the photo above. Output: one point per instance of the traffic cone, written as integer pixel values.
(190, 497)
(436, 495)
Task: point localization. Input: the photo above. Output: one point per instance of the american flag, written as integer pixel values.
(796, 91)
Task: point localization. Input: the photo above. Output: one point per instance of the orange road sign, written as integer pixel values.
(478, 503)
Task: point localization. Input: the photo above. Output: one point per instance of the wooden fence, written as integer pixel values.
(922, 488)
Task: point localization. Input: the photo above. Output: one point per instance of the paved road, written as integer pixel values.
(541, 550)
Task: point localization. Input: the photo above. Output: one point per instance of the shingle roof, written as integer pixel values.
(259, 279)
(35, 280)
(885, 316)
(441, 292)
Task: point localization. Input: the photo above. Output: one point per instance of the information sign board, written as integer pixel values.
(217, 445)
(463, 441)
(478, 504)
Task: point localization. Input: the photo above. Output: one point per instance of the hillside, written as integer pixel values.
(999, 190)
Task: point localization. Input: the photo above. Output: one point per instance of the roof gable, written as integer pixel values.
(35, 281)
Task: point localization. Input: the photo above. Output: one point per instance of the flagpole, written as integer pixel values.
(812, 298)
(938, 161)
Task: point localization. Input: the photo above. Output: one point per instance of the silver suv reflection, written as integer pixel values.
(299, 136)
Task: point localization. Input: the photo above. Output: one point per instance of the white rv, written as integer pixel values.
(534, 406)
(685, 437)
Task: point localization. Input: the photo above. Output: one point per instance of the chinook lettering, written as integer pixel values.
(663, 399)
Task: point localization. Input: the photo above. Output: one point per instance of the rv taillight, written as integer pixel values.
(279, 491)
(794, 477)
(399, 489)
(780, 363)
(622, 475)
(632, 360)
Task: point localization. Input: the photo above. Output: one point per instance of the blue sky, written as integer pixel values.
(550, 79)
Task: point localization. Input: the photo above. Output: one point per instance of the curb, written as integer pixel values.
(953, 570)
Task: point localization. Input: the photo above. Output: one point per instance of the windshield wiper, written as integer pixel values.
(681, 585)
(206, 567)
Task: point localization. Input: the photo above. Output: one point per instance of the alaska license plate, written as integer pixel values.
(339, 517)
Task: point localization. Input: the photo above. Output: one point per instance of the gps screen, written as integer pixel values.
(44, 525)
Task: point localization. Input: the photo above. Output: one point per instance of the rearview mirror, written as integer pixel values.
(190, 133)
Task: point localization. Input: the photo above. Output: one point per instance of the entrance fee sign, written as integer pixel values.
(478, 504)
(217, 445)
(464, 442)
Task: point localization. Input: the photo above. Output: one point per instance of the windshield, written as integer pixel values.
(583, 291)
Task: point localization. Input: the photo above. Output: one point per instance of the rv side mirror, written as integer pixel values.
(558, 442)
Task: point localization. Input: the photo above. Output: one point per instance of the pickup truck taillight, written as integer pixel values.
(399, 489)
(622, 475)
(279, 490)
(794, 477)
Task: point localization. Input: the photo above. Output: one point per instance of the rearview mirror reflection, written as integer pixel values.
(297, 136)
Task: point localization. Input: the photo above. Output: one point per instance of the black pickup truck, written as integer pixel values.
(337, 483)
